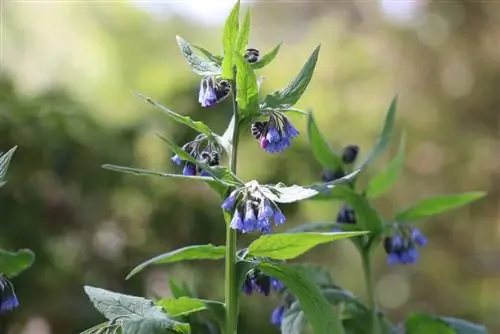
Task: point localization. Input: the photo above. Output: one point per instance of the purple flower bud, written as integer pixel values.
(279, 218)
(230, 201)
(249, 222)
(236, 222)
(207, 96)
(418, 237)
(8, 298)
(273, 136)
(189, 169)
(277, 315)
(176, 160)
(265, 210)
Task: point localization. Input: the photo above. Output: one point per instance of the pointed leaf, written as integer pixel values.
(243, 34)
(195, 252)
(384, 180)
(210, 56)
(286, 246)
(322, 151)
(315, 306)
(438, 204)
(292, 93)
(246, 85)
(316, 227)
(384, 137)
(199, 65)
(13, 263)
(267, 58)
(176, 307)
(229, 36)
(4, 164)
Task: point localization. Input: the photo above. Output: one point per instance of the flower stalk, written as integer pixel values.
(367, 270)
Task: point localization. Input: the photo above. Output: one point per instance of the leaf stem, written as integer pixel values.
(367, 270)
(231, 293)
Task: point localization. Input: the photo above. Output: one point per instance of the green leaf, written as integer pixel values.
(384, 180)
(294, 320)
(437, 204)
(318, 311)
(292, 93)
(243, 34)
(229, 36)
(384, 137)
(195, 252)
(4, 164)
(314, 273)
(322, 151)
(210, 56)
(464, 327)
(319, 226)
(136, 314)
(176, 307)
(425, 324)
(199, 65)
(267, 58)
(176, 290)
(246, 84)
(285, 246)
(13, 263)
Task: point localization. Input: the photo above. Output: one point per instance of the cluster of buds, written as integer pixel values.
(260, 282)
(275, 134)
(213, 90)
(204, 151)
(401, 247)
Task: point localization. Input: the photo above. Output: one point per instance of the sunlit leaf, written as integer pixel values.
(199, 65)
(327, 157)
(243, 33)
(229, 36)
(246, 85)
(267, 58)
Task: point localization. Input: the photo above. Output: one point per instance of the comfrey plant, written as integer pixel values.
(309, 297)
(11, 263)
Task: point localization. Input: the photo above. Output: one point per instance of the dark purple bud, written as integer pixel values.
(350, 153)
(252, 55)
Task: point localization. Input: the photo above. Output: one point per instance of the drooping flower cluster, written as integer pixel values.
(8, 298)
(202, 150)
(401, 247)
(260, 282)
(275, 134)
(252, 55)
(212, 91)
(253, 211)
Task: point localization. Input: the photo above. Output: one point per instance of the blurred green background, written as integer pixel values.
(67, 68)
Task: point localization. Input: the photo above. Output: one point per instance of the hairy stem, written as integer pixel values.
(231, 292)
(367, 270)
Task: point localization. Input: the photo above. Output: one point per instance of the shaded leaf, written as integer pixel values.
(425, 324)
(5, 159)
(210, 56)
(314, 273)
(464, 327)
(13, 263)
(267, 58)
(246, 84)
(229, 36)
(195, 252)
(315, 227)
(285, 246)
(438, 204)
(322, 151)
(199, 65)
(294, 320)
(386, 178)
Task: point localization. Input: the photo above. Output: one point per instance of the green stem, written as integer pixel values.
(231, 293)
(367, 270)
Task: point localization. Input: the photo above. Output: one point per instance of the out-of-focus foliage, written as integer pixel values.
(65, 101)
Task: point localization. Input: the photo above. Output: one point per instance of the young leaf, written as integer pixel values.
(4, 164)
(243, 34)
(384, 137)
(315, 306)
(229, 36)
(246, 84)
(210, 56)
(294, 320)
(184, 305)
(13, 263)
(292, 93)
(137, 315)
(286, 246)
(195, 252)
(199, 65)
(267, 58)
(425, 324)
(437, 204)
(322, 151)
(388, 176)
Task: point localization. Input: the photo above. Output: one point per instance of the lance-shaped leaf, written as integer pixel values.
(267, 58)
(286, 246)
(195, 252)
(385, 179)
(316, 307)
(319, 226)
(199, 65)
(292, 93)
(431, 206)
(243, 34)
(246, 84)
(229, 37)
(384, 137)
(13, 263)
(210, 56)
(136, 314)
(327, 157)
(5, 159)
(176, 307)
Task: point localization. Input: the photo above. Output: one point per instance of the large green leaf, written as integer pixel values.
(195, 252)
(384, 137)
(198, 64)
(384, 180)
(322, 151)
(285, 246)
(267, 58)
(13, 263)
(137, 315)
(229, 37)
(317, 274)
(437, 204)
(243, 34)
(425, 324)
(292, 93)
(316, 307)
(246, 84)
(5, 159)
